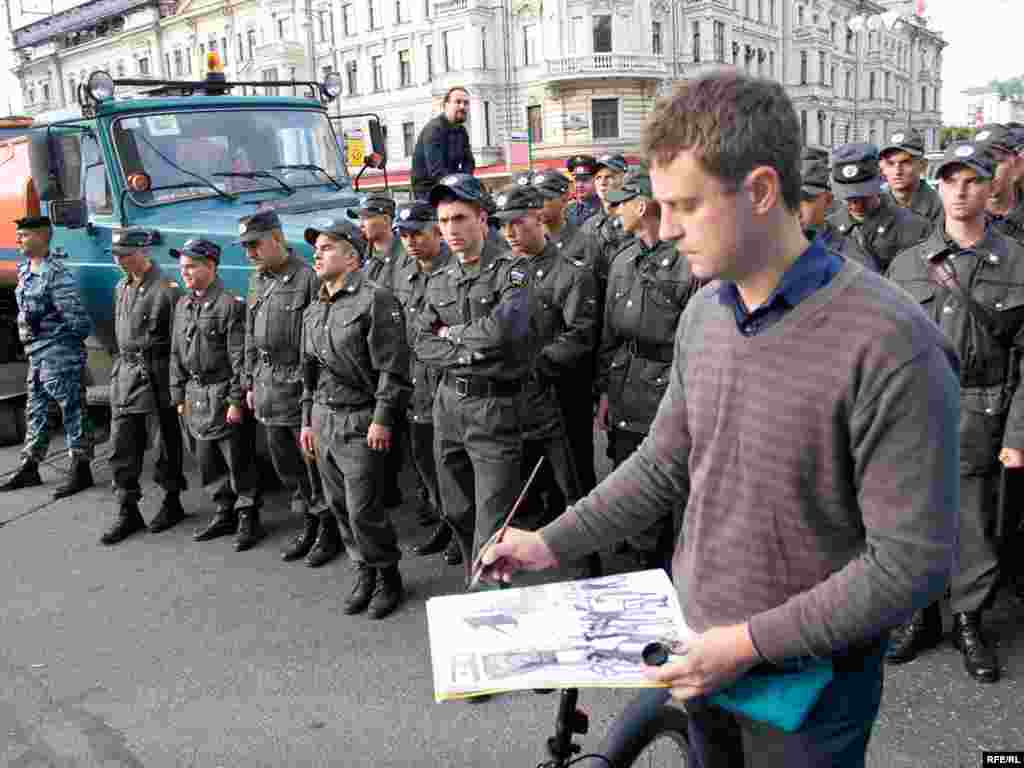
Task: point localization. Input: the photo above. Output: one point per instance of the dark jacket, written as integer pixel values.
(1012, 224)
(924, 202)
(441, 148)
(50, 310)
(885, 232)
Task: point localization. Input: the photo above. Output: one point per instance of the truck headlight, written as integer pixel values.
(100, 86)
(331, 86)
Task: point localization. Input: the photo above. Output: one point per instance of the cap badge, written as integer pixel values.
(241, 228)
(449, 180)
(898, 138)
(849, 171)
(983, 136)
(523, 181)
(964, 151)
(501, 200)
(405, 214)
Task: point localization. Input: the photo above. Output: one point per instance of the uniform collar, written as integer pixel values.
(213, 292)
(292, 264)
(393, 252)
(353, 282)
(153, 274)
(663, 254)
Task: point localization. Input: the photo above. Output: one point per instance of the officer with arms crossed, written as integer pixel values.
(812, 523)
(207, 375)
(355, 360)
(280, 289)
(140, 388)
(53, 326)
(902, 162)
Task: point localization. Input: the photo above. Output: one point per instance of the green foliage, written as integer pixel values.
(1013, 88)
(951, 133)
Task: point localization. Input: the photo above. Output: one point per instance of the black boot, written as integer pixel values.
(923, 631)
(303, 541)
(362, 589)
(388, 594)
(327, 544)
(437, 542)
(452, 553)
(171, 513)
(78, 478)
(224, 523)
(128, 521)
(27, 476)
(249, 529)
(979, 661)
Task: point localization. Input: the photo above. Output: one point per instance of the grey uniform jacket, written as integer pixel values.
(885, 232)
(381, 267)
(925, 202)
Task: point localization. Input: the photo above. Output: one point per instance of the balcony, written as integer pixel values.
(818, 92)
(606, 65)
(449, 7)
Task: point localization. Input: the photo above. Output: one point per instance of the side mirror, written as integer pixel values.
(43, 165)
(71, 214)
(378, 141)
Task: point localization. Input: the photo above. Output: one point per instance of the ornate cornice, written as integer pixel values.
(74, 19)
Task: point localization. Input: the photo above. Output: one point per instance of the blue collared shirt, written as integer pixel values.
(813, 270)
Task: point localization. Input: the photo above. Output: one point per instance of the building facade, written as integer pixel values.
(986, 105)
(573, 75)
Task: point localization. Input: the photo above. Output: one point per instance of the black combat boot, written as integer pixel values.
(171, 513)
(923, 631)
(327, 544)
(303, 541)
(362, 589)
(453, 553)
(78, 478)
(128, 521)
(438, 540)
(249, 529)
(979, 661)
(388, 594)
(27, 476)
(224, 523)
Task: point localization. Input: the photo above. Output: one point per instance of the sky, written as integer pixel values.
(984, 36)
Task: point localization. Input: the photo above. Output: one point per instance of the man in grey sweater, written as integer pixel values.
(810, 424)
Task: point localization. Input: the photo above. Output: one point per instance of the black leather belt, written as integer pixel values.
(207, 381)
(660, 352)
(479, 386)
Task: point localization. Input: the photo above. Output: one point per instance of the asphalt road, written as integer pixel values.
(165, 652)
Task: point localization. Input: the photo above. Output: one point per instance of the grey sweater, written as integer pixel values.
(818, 462)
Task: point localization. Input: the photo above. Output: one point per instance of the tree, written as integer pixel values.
(951, 133)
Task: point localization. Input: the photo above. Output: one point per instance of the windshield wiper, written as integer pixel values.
(256, 175)
(175, 166)
(309, 167)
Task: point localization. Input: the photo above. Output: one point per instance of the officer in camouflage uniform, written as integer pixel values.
(386, 254)
(476, 327)
(355, 373)
(903, 164)
(585, 202)
(871, 229)
(970, 280)
(648, 288)
(53, 326)
(816, 199)
(280, 289)
(1005, 206)
(207, 378)
(140, 388)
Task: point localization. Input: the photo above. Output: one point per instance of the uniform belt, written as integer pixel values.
(480, 386)
(662, 353)
(204, 380)
(340, 405)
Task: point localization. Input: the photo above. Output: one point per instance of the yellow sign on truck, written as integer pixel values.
(355, 147)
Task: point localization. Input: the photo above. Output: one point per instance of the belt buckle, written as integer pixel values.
(461, 386)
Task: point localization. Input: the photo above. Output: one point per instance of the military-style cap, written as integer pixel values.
(1015, 137)
(464, 186)
(337, 227)
(581, 165)
(257, 226)
(523, 177)
(994, 135)
(815, 177)
(33, 222)
(550, 184)
(514, 201)
(129, 240)
(374, 205)
(910, 141)
(812, 152)
(969, 154)
(198, 248)
(637, 183)
(855, 171)
(414, 217)
(615, 163)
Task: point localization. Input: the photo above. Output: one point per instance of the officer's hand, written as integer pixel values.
(250, 400)
(181, 409)
(379, 437)
(307, 441)
(1012, 458)
(437, 327)
(235, 414)
(518, 550)
(601, 420)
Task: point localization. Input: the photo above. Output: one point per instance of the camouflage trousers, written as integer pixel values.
(55, 375)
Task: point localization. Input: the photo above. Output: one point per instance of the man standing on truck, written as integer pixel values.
(53, 326)
(140, 388)
(443, 145)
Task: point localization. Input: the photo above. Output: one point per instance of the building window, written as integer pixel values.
(167, 65)
(282, 28)
(656, 38)
(576, 34)
(377, 64)
(771, 11)
(605, 118)
(269, 76)
(871, 85)
(408, 138)
(224, 51)
(144, 66)
(833, 81)
(371, 6)
(924, 98)
(888, 81)
(602, 33)
(832, 31)
(821, 67)
(251, 36)
(72, 93)
(430, 63)
(322, 26)
(450, 49)
(799, 15)
(404, 68)
(179, 66)
(348, 19)
(849, 41)
(803, 67)
(696, 43)
(803, 126)
(426, 9)
(120, 69)
(535, 123)
(529, 45)
(352, 76)
(483, 47)
(399, 12)
(487, 123)
(241, 49)
(46, 93)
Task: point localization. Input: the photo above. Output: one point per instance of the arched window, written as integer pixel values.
(803, 67)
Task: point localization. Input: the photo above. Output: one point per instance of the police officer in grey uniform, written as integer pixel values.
(281, 286)
(816, 199)
(52, 326)
(602, 236)
(476, 327)
(871, 229)
(812, 154)
(1005, 206)
(140, 387)
(207, 386)
(648, 288)
(970, 280)
(385, 254)
(554, 188)
(585, 202)
(903, 165)
(356, 385)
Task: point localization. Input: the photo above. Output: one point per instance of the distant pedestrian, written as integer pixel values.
(443, 145)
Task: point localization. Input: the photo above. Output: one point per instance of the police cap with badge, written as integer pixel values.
(461, 186)
(614, 163)
(33, 222)
(994, 136)
(130, 240)
(581, 165)
(637, 183)
(967, 154)
(815, 177)
(374, 205)
(855, 171)
(550, 184)
(523, 177)
(415, 216)
(910, 141)
(198, 248)
(812, 152)
(256, 227)
(515, 201)
(339, 229)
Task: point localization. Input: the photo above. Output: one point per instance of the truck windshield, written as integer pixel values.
(170, 147)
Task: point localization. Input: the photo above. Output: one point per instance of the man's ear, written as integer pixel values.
(764, 187)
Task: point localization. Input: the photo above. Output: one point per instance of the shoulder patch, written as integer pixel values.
(517, 277)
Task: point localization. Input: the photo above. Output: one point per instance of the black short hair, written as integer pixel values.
(453, 89)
